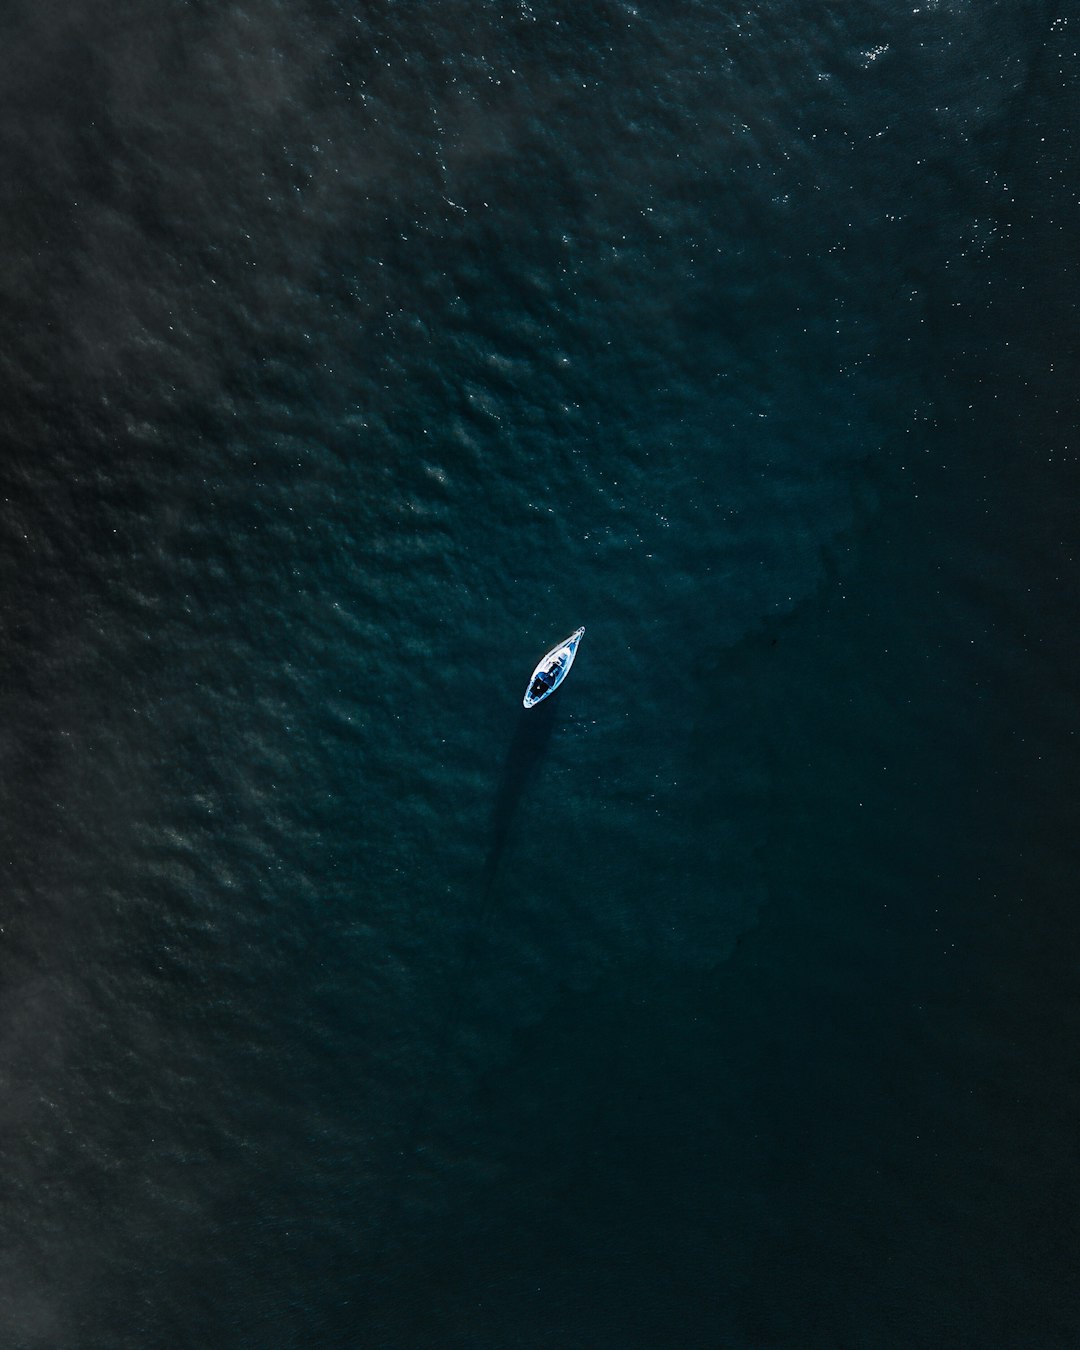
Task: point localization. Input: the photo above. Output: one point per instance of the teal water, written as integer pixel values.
(350, 360)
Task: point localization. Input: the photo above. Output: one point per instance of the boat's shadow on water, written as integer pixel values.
(532, 736)
(531, 739)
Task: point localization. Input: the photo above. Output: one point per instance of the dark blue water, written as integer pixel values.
(349, 359)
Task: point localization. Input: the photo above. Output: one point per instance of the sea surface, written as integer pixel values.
(350, 357)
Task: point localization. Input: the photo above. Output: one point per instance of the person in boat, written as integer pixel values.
(545, 680)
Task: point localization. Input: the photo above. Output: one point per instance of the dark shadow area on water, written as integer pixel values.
(532, 737)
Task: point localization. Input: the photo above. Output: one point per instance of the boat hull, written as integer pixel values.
(552, 668)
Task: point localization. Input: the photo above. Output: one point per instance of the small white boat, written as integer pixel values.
(552, 670)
